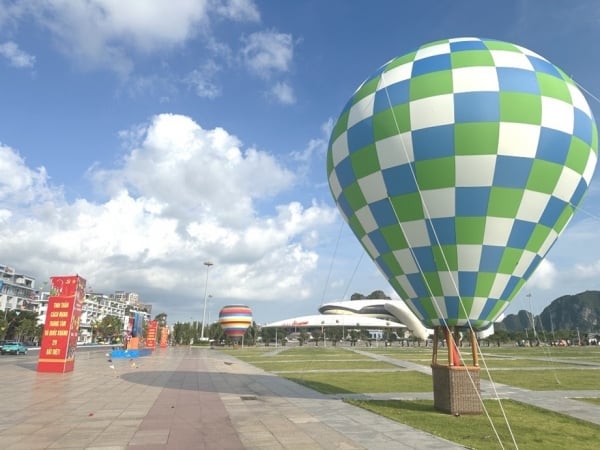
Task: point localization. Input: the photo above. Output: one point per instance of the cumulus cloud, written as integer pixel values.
(268, 52)
(544, 277)
(104, 33)
(195, 171)
(181, 195)
(15, 56)
(20, 185)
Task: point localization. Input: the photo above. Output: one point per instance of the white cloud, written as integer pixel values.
(20, 185)
(15, 56)
(202, 80)
(544, 277)
(314, 147)
(238, 10)
(196, 171)
(180, 196)
(268, 52)
(105, 33)
(284, 93)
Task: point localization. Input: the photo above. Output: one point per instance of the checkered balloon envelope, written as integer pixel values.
(457, 166)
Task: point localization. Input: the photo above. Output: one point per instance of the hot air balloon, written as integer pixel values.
(235, 320)
(457, 166)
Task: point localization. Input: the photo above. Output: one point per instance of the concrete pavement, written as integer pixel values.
(191, 398)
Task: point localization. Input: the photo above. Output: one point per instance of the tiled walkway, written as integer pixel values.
(183, 398)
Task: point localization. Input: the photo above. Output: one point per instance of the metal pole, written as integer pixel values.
(207, 264)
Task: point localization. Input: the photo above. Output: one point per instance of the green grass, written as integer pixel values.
(299, 353)
(532, 428)
(547, 380)
(355, 383)
(589, 354)
(497, 363)
(286, 365)
(534, 368)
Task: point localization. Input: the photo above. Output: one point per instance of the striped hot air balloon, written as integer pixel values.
(235, 320)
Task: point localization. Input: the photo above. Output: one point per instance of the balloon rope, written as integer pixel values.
(434, 300)
(586, 91)
(362, 253)
(546, 350)
(337, 242)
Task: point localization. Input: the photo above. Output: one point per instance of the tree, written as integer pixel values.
(303, 336)
(334, 334)
(375, 295)
(109, 329)
(251, 334)
(12, 326)
(161, 319)
(269, 334)
(216, 332)
(316, 334)
(26, 330)
(185, 333)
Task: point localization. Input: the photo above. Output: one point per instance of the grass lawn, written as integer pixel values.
(287, 365)
(532, 368)
(547, 380)
(355, 383)
(532, 428)
(299, 353)
(498, 363)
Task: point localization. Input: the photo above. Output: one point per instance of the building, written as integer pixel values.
(121, 304)
(17, 291)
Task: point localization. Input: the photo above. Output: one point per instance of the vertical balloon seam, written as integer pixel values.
(428, 216)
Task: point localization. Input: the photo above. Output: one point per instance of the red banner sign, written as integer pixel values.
(164, 337)
(59, 340)
(151, 334)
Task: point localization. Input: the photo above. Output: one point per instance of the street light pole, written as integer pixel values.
(207, 264)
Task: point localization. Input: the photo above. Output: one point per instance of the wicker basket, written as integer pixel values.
(456, 389)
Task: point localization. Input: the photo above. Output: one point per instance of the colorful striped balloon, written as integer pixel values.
(235, 320)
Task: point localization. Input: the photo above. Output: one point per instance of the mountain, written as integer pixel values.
(569, 312)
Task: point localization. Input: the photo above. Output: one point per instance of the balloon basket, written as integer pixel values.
(456, 389)
(456, 386)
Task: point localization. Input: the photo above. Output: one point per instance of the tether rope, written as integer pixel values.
(434, 300)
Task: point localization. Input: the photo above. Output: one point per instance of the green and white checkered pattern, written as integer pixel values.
(457, 166)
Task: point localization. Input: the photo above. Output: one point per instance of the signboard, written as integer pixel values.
(151, 334)
(164, 337)
(59, 339)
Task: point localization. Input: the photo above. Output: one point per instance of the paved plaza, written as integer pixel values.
(193, 398)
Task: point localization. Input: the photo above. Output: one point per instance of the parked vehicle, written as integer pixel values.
(13, 347)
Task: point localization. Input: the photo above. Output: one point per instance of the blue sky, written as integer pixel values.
(140, 139)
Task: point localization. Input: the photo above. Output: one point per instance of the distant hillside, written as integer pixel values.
(569, 312)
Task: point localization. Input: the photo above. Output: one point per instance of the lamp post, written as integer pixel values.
(207, 264)
(209, 308)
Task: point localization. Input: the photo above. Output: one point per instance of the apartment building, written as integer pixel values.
(18, 291)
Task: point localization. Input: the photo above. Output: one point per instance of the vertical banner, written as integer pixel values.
(151, 334)
(59, 340)
(164, 337)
